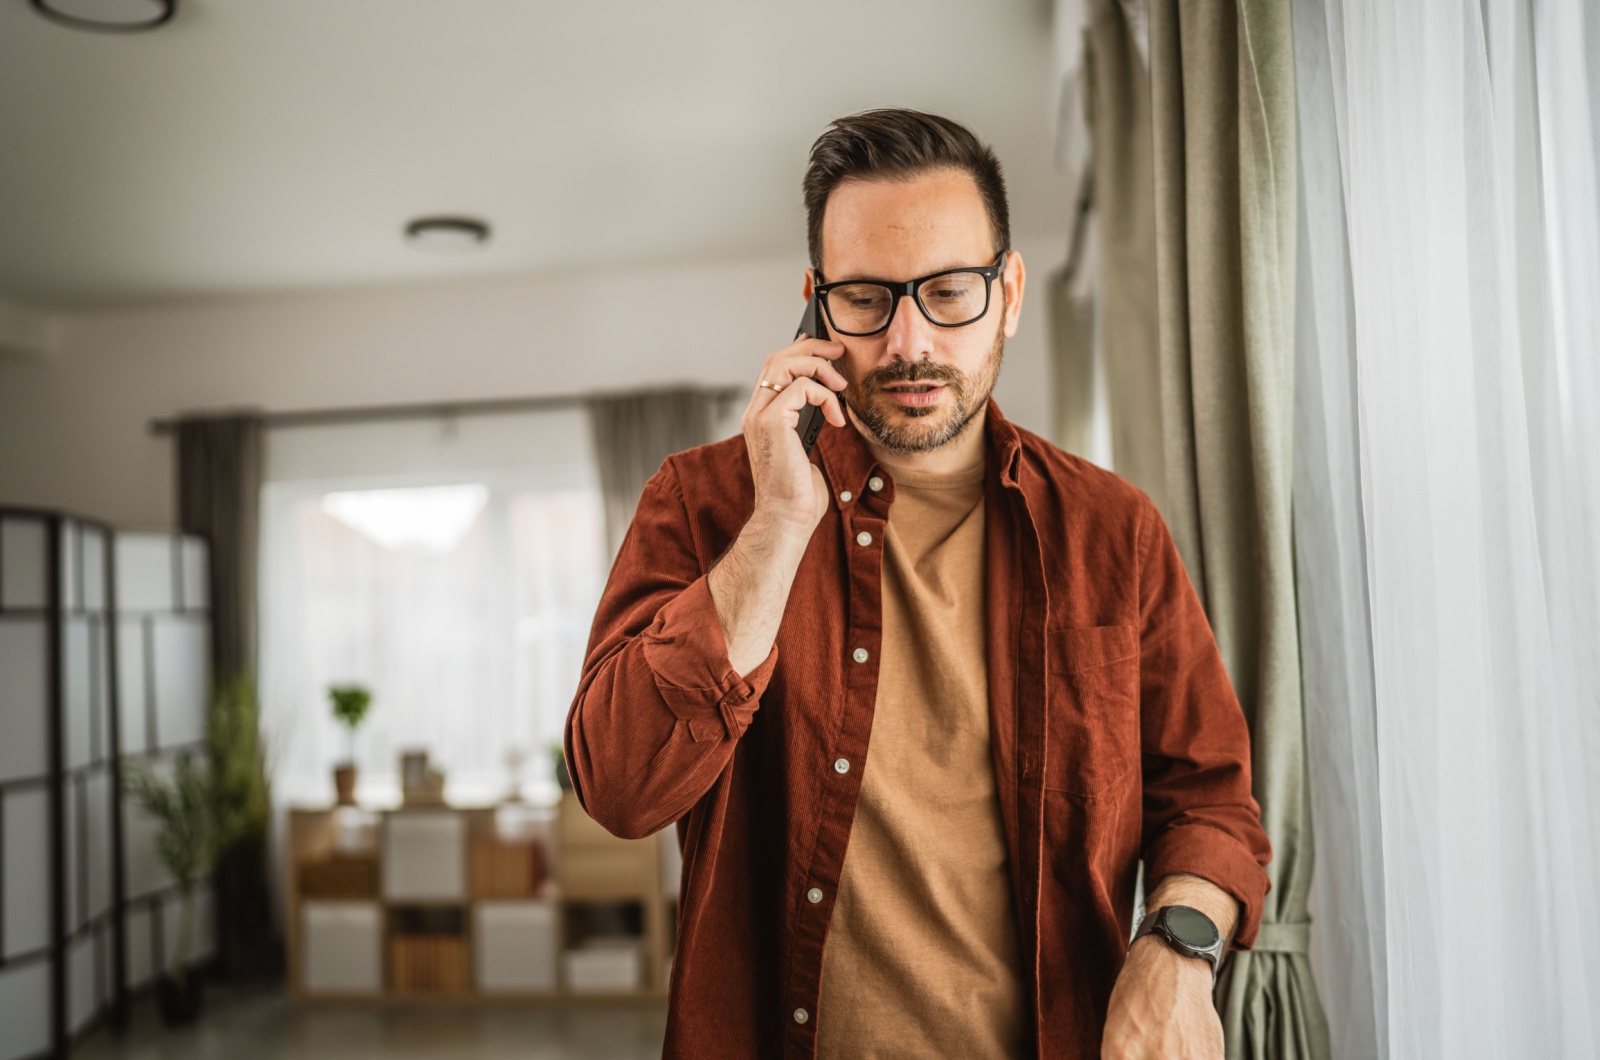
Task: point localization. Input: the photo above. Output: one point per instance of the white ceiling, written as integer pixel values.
(259, 145)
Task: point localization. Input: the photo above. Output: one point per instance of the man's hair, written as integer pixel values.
(899, 144)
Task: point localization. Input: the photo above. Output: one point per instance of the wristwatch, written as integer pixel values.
(1189, 931)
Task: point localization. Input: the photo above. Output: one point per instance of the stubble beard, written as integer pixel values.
(902, 429)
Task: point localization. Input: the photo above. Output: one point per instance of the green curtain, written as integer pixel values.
(1223, 118)
(1117, 109)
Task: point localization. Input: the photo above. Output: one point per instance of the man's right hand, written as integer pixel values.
(790, 489)
(750, 583)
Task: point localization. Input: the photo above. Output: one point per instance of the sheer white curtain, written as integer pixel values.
(1448, 520)
(452, 568)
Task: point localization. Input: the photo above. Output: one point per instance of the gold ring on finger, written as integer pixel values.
(776, 388)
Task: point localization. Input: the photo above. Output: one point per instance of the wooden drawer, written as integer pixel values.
(429, 964)
(625, 868)
(575, 828)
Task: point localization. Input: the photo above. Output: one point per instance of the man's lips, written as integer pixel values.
(915, 394)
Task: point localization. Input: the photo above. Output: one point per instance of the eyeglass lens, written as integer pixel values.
(951, 299)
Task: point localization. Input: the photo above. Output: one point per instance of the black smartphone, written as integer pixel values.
(812, 417)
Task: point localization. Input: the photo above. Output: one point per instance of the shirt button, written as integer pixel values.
(841, 765)
(814, 895)
(863, 539)
(801, 1015)
(859, 655)
(874, 483)
(846, 496)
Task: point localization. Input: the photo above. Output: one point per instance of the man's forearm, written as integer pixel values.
(750, 586)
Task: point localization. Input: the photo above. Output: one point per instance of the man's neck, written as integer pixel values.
(958, 454)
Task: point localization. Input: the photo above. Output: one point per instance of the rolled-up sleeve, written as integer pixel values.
(659, 708)
(1200, 817)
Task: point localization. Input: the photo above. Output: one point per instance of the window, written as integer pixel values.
(462, 600)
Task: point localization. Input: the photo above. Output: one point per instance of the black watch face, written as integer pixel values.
(1191, 928)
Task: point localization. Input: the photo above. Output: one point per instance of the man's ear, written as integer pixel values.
(1014, 278)
(807, 284)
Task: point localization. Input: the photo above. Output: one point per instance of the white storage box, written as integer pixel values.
(425, 856)
(516, 944)
(342, 948)
(605, 964)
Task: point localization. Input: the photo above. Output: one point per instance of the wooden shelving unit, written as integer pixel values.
(390, 905)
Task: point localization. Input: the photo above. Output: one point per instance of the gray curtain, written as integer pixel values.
(219, 464)
(1071, 301)
(633, 434)
(219, 496)
(1223, 119)
(1117, 101)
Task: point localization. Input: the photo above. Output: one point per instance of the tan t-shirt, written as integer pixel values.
(922, 951)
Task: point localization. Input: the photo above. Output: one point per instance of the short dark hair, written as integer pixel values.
(898, 144)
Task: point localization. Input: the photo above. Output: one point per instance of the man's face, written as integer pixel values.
(916, 386)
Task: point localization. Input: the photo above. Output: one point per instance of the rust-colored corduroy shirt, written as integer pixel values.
(1114, 731)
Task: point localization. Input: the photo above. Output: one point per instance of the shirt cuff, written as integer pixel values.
(1213, 855)
(688, 656)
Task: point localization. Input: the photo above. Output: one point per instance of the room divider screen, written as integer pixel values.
(84, 682)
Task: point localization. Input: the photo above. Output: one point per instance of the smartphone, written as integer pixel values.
(812, 417)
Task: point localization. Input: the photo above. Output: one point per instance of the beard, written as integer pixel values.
(920, 429)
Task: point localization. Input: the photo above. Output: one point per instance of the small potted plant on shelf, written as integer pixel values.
(188, 840)
(350, 704)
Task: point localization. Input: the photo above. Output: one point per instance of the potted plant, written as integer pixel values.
(350, 704)
(247, 941)
(188, 839)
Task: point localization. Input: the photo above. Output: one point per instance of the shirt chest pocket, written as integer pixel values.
(1092, 708)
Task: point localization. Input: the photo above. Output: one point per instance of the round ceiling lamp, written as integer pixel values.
(108, 16)
(447, 235)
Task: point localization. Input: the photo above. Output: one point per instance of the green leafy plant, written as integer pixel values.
(350, 706)
(238, 764)
(188, 839)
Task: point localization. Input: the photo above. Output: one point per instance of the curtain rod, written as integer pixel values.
(430, 410)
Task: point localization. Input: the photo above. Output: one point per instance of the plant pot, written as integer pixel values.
(180, 1003)
(344, 783)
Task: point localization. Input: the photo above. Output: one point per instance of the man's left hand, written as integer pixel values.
(1161, 1007)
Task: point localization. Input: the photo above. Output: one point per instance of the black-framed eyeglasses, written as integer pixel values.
(950, 299)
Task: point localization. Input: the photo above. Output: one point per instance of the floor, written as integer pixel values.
(263, 1024)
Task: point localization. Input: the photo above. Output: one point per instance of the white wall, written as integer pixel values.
(73, 425)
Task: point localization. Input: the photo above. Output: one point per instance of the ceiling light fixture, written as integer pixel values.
(108, 16)
(447, 235)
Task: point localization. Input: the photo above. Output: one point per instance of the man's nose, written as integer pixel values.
(910, 334)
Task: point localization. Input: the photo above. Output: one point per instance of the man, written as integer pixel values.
(918, 704)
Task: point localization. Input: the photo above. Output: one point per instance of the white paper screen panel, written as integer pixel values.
(139, 931)
(24, 698)
(144, 572)
(131, 702)
(24, 563)
(97, 807)
(196, 580)
(343, 949)
(26, 868)
(144, 870)
(81, 999)
(93, 544)
(424, 856)
(25, 1010)
(181, 672)
(70, 584)
(72, 846)
(78, 651)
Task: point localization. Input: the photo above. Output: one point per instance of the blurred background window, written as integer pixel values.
(460, 596)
